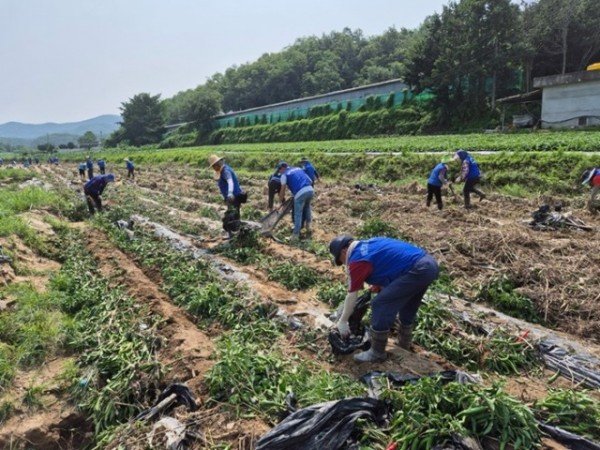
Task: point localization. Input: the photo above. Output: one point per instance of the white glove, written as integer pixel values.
(343, 328)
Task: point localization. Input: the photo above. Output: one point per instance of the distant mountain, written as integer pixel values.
(105, 124)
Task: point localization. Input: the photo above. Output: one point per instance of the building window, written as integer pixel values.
(583, 121)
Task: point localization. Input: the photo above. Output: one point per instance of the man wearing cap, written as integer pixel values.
(399, 271)
(231, 191)
(130, 168)
(591, 177)
(94, 188)
(436, 180)
(301, 188)
(309, 169)
(470, 174)
(90, 167)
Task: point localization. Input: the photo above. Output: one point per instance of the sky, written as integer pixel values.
(70, 60)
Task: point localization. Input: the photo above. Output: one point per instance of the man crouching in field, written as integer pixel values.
(94, 188)
(399, 271)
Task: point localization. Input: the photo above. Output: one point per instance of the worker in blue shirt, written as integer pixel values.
(470, 174)
(437, 178)
(93, 190)
(90, 167)
(82, 167)
(400, 272)
(130, 168)
(102, 166)
(232, 192)
(309, 169)
(301, 188)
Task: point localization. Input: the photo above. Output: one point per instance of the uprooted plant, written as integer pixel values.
(430, 412)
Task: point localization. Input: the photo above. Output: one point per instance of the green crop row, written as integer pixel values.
(533, 172)
(114, 337)
(541, 141)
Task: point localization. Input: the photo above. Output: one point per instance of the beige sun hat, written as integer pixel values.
(213, 159)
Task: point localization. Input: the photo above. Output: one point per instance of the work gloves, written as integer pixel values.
(343, 327)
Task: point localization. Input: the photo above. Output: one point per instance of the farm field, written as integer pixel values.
(95, 321)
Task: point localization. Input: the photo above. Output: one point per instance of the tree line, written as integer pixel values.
(467, 56)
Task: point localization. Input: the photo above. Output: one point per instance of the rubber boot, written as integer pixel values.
(377, 351)
(405, 336)
(467, 197)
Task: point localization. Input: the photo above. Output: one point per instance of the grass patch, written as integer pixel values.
(292, 275)
(14, 175)
(332, 293)
(33, 397)
(438, 331)
(501, 294)
(573, 411)
(114, 336)
(252, 378)
(375, 227)
(428, 413)
(32, 328)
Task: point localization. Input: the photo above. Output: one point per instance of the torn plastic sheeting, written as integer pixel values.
(172, 431)
(292, 322)
(372, 379)
(174, 395)
(583, 369)
(324, 426)
(574, 441)
(183, 244)
(459, 443)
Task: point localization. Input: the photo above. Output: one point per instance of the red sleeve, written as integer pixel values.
(359, 271)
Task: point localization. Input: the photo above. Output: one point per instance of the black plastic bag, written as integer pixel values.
(358, 340)
(324, 426)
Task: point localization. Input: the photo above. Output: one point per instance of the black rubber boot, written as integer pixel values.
(377, 351)
(405, 336)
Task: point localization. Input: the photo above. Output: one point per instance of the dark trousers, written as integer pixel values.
(231, 219)
(274, 188)
(130, 173)
(403, 296)
(470, 187)
(90, 174)
(94, 202)
(82, 173)
(102, 170)
(437, 191)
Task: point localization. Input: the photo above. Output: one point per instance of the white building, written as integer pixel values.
(570, 100)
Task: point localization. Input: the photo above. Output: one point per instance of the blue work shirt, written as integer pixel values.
(388, 257)
(96, 185)
(434, 177)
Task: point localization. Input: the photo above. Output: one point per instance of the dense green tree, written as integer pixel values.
(143, 121)
(88, 140)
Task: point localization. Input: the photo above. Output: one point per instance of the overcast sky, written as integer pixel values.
(69, 60)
